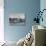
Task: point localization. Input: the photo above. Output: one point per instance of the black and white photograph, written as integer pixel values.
(17, 19)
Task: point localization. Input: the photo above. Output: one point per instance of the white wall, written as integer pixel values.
(1, 21)
(43, 6)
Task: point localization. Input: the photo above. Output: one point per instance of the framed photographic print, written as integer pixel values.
(17, 19)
